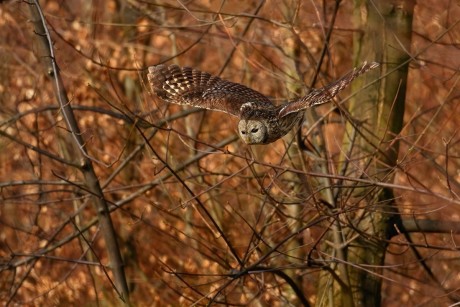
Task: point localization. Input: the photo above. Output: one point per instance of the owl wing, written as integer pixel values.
(325, 94)
(188, 86)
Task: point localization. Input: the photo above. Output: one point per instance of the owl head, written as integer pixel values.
(253, 131)
(261, 122)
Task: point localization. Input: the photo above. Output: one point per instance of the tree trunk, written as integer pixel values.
(352, 276)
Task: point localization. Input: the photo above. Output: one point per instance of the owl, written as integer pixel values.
(260, 121)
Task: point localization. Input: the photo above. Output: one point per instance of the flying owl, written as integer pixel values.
(261, 122)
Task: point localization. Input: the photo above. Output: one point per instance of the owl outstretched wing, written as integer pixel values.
(325, 94)
(188, 86)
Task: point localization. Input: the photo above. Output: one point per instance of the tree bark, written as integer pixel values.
(352, 276)
(79, 153)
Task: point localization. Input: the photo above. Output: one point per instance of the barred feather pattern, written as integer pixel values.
(261, 122)
(327, 93)
(188, 86)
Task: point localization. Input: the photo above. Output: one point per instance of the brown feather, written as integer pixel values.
(325, 94)
(192, 87)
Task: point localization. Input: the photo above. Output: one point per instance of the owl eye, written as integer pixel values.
(254, 130)
(243, 132)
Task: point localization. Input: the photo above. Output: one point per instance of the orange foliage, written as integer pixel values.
(257, 196)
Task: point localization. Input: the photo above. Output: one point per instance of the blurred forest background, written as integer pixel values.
(196, 216)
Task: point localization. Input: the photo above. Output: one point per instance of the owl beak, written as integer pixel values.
(247, 140)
